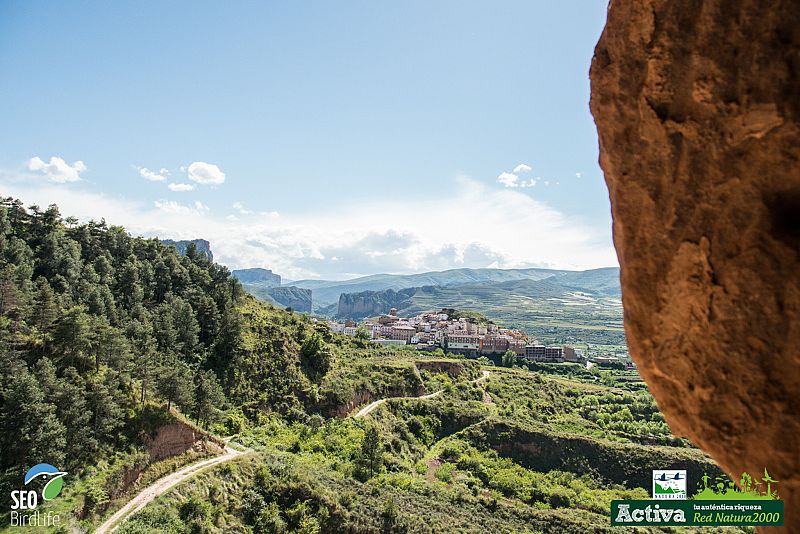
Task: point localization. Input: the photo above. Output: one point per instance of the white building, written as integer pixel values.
(336, 327)
(463, 342)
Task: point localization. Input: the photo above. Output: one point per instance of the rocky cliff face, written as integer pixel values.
(257, 276)
(297, 298)
(291, 297)
(202, 246)
(369, 303)
(697, 107)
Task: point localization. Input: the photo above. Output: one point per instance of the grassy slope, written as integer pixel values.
(527, 453)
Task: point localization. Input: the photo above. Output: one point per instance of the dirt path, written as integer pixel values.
(164, 484)
(371, 407)
(161, 486)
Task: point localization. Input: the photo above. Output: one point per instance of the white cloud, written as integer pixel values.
(522, 168)
(153, 176)
(514, 230)
(180, 187)
(508, 179)
(176, 208)
(205, 173)
(512, 180)
(238, 206)
(578, 174)
(57, 170)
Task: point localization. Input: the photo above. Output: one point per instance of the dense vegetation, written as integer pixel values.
(455, 463)
(105, 338)
(95, 324)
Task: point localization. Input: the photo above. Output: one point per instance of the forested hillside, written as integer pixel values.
(96, 324)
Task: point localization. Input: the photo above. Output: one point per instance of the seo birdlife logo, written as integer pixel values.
(51, 481)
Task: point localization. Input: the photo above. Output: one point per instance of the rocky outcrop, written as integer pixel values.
(369, 303)
(257, 276)
(201, 245)
(179, 438)
(297, 298)
(697, 107)
(291, 297)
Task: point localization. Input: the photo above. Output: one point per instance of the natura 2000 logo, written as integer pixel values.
(669, 484)
(25, 501)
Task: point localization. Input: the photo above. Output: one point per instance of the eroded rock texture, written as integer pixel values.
(697, 106)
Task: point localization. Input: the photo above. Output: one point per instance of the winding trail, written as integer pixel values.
(371, 407)
(163, 485)
(166, 483)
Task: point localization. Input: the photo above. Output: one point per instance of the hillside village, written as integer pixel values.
(428, 331)
(447, 330)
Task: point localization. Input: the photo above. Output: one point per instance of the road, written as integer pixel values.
(161, 486)
(371, 407)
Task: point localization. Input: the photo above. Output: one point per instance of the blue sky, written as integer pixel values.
(320, 139)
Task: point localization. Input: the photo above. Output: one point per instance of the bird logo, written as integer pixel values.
(53, 477)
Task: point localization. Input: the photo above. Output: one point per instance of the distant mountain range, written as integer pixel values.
(266, 285)
(299, 299)
(603, 281)
(552, 305)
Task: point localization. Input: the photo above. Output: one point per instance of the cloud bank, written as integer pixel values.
(476, 227)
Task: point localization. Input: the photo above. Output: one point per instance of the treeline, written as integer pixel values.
(95, 324)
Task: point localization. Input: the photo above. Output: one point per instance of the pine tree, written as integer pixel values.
(31, 431)
(73, 339)
(186, 328)
(208, 396)
(45, 308)
(104, 402)
(174, 383)
(371, 454)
